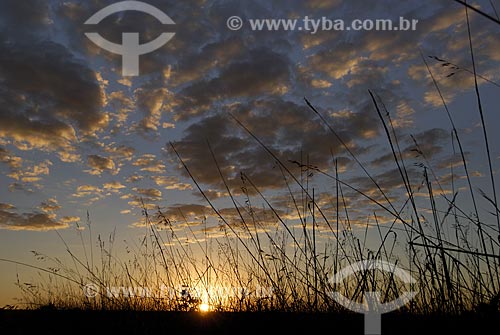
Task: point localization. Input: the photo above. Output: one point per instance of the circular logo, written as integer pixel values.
(235, 23)
(372, 307)
(130, 49)
(91, 290)
(372, 299)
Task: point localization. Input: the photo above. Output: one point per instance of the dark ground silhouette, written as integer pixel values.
(127, 322)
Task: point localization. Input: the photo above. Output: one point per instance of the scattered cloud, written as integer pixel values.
(86, 191)
(99, 164)
(6, 206)
(171, 183)
(69, 219)
(115, 185)
(12, 161)
(50, 98)
(149, 192)
(149, 163)
(30, 221)
(50, 206)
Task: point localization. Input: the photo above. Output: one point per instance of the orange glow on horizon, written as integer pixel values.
(204, 307)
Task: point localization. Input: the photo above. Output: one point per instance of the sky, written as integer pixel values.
(78, 137)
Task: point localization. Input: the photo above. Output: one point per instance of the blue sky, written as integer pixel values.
(76, 136)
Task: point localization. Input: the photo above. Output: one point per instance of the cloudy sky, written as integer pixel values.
(76, 136)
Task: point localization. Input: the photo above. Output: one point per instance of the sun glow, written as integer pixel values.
(204, 307)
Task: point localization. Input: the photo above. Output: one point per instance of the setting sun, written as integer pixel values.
(204, 307)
